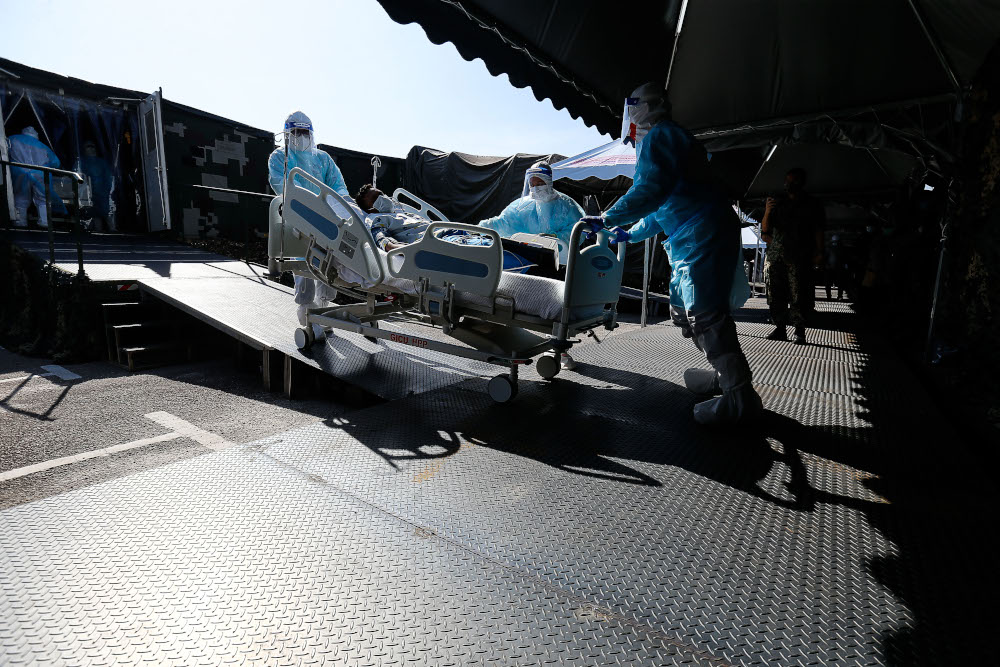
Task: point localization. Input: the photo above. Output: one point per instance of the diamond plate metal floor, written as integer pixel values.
(588, 522)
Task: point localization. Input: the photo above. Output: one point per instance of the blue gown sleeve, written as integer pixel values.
(513, 219)
(657, 171)
(332, 176)
(276, 171)
(646, 228)
(569, 214)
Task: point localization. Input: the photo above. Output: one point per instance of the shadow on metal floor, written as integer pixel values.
(588, 522)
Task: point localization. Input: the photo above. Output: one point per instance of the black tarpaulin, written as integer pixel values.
(833, 170)
(737, 61)
(468, 188)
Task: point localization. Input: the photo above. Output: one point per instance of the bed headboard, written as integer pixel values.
(331, 221)
(594, 274)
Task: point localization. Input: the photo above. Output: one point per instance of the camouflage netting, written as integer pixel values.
(46, 312)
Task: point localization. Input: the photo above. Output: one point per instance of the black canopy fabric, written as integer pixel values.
(737, 61)
(468, 188)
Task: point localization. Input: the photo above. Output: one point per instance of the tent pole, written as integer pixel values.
(677, 37)
(645, 281)
(942, 58)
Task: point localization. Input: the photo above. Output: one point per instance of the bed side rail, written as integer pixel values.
(594, 273)
(468, 268)
(411, 203)
(335, 229)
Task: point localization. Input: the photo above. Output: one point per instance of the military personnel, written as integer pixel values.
(793, 230)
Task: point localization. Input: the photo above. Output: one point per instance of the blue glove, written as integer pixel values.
(595, 222)
(620, 235)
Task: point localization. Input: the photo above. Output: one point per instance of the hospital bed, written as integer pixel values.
(506, 319)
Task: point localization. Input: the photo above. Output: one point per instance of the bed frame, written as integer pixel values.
(314, 233)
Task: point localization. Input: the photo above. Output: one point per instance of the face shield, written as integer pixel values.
(629, 128)
(299, 135)
(644, 108)
(542, 190)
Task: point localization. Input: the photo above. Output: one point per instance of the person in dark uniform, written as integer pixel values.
(793, 230)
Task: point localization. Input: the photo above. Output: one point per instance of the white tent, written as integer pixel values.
(605, 162)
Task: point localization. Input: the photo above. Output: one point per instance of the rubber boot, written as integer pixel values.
(566, 362)
(739, 401)
(800, 336)
(702, 382)
(779, 333)
(302, 312)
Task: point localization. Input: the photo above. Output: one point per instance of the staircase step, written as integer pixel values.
(152, 356)
(142, 333)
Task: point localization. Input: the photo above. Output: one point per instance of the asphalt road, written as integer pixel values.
(193, 409)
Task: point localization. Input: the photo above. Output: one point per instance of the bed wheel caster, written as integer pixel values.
(501, 389)
(547, 366)
(304, 337)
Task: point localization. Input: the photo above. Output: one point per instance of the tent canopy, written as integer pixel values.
(468, 188)
(737, 61)
(605, 163)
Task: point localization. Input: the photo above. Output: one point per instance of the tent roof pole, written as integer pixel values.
(942, 58)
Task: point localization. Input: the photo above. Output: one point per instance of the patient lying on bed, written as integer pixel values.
(391, 228)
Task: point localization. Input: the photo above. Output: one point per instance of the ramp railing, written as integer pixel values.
(77, 227)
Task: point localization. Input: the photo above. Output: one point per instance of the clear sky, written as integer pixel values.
(367, 82)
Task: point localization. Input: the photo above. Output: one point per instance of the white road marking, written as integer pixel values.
(188, 430)
(53, 370)
(180, 429)
(83, 456)
(20, 377)
(62, 373)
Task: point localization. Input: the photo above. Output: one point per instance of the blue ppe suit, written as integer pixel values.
(29, 185)
(320, 166)
(529, 216)
(673, 191)
(314, 162)
(101, 181)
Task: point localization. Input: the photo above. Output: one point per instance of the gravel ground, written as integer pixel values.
(46, 418)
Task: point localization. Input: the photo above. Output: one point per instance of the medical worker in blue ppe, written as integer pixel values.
(29, 185)
(673, 192)
(302, 153)
(540, 210)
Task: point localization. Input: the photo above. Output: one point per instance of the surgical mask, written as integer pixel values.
(542, 192)
(383, 204)
(300, 142)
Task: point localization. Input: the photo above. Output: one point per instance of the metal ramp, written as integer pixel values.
(590, 522)
(235, 298)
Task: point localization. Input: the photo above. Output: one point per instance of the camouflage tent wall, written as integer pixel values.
(203, 149)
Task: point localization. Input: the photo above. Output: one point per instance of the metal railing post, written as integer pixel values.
(78, 230)
(52, 233)
(47, 174)
(645, 281)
